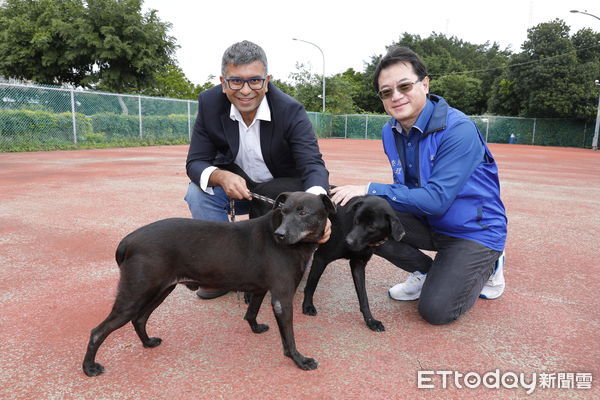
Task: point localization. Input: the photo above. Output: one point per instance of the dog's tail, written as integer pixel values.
(121, 251)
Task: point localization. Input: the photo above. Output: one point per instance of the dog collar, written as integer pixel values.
(379, 243)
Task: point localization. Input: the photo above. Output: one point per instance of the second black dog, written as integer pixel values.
(356, 229)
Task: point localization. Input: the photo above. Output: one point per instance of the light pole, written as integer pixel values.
(323, 54)
(595, 139)
(487, 127)
(585, 12)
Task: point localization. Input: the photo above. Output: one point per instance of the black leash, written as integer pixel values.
(253, 195)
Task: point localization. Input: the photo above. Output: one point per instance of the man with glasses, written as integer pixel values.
(445, 190)
(246, 120)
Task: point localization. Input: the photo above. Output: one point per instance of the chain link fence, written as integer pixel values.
(496, 129)
(36, 117)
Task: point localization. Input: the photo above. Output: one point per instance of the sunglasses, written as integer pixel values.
(402, 87)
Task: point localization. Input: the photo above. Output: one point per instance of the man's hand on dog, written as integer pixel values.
(343, 194)
(233, 184)
(326, 232)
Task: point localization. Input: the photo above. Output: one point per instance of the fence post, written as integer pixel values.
(73, 116)
(346, 127)
(366, 126)
(189, 123)
(533, 135)
(140, 113)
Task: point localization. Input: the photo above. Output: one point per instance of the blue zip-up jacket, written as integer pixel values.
(454, 183)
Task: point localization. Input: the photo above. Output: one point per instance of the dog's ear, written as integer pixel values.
(280, 199)
(276, 218)
(396, 227)
(354, 203)
(329, 206)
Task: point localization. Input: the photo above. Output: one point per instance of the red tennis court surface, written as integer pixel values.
(63, 213)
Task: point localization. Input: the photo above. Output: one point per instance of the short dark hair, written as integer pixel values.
(398, 54)
(241, 53)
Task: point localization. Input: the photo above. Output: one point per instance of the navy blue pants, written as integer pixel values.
(455, 276)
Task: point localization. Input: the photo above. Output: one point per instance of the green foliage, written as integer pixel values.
(107, 44)
(308, 88)
(462, 92)
(552, 77)
(40, 126)
(26, 130)
(172, 82)
(448, 56)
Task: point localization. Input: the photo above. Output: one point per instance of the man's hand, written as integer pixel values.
(343, 194)
(326, 232)
(233, 185)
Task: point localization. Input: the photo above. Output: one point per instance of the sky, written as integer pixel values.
(348, 32)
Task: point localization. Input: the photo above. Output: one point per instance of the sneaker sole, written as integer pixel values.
(403, 299)
(483, 296)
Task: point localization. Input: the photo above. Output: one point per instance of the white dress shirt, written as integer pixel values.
(249, 156)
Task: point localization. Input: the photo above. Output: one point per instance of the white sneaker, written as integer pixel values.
(410, 289)
(495, 285)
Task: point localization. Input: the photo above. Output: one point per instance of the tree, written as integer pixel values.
(462, 92)
(170, 81)
(103, 44)
(307, 88)
(445, 56)
(552, 76)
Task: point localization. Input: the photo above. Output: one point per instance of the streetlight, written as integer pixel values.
(487, 127)
(323, 54)
(585, 12)
(595, 139)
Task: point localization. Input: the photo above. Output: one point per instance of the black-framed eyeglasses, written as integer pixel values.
(402, 87)
(238, 83)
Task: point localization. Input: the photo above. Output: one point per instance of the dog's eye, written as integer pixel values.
(372, 227)
(302, 213)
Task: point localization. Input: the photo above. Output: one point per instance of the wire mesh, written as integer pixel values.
(38, 117)
(34, 117)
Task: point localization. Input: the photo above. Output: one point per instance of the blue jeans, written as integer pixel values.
(212, 207)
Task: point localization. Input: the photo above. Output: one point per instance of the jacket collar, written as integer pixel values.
(435, 121)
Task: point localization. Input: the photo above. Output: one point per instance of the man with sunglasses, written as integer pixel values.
(445, 190)
(246, 120)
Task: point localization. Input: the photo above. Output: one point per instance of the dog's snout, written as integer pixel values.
(279, 234)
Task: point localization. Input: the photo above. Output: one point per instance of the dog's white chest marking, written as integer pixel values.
(310, 260)
(277, 307)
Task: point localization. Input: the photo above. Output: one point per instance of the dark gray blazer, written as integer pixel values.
(288, 143)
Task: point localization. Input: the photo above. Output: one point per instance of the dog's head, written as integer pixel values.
(300, 217)
(374, 222)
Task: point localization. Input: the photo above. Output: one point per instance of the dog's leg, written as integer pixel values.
(123, 311)
(256, 300)
(283, 310)
(358, 275)
(316, 270)
(139, 322)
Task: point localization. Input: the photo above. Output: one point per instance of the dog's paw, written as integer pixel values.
(375, 325)
(307, 363)
(93, 369)
(152, 342)
(260, 328)
(309, 309)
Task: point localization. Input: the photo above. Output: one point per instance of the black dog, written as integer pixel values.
(356, 229)
(269, 253)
